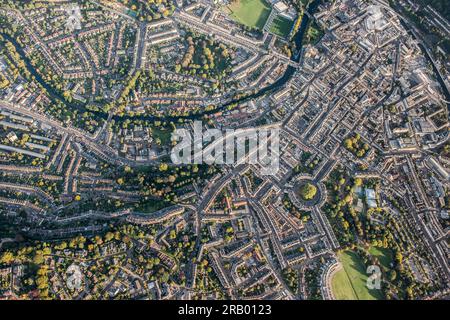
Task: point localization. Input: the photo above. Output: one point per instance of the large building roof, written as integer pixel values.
(280, 6)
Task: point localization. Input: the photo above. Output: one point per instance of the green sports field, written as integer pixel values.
(350, 282)
(252, 13)
(281, 26)
(341, 286)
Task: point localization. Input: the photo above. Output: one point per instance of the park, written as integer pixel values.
(251, 13)
(349, 283)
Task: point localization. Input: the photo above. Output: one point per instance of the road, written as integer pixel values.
(5, 240)
(104, 152)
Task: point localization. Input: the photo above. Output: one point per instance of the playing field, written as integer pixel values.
(252, 13)
(350, 282)
(281, 26)
(341, 286)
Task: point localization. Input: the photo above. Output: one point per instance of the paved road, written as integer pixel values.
(90, 141)
(5, 240)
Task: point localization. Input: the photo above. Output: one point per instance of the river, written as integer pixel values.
(51, 91)
(298, 40)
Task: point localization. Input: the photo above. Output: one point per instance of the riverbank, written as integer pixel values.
(278, 84)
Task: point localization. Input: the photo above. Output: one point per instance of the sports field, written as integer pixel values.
(341, 286)
(281, 26)
(350, 282)
(252, 13)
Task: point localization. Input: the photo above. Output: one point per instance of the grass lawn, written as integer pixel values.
(164, 135)
(314, 34)
(350, 282)
(341, 286)
(150, 206)
(252, 13)
(385, 256)
(281, 26)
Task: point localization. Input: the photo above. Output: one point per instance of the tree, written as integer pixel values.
(348, 144)
(393, 275)
(7, 257)
(38, 258)
(308, 191)
(348, 198)
(109, 236)
(399, 257)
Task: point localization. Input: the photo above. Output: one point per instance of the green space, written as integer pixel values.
(384, 256)
(151, 205)
(307, 191)
(314, 34)
(342, 287)
(251, 13)
(205, 58)
(161, 135)
(350, 282)
(355, 145)
(281, 26)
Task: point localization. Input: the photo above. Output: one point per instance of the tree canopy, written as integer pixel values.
(307, 191)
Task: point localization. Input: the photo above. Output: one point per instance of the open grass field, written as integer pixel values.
(281, 26)
(385, 256)
(162, 134)
(341, 286)
(252, 13)
(350, 282)
(150, 206)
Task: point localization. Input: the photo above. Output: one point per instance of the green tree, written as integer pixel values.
(308, 191)
(7, 257)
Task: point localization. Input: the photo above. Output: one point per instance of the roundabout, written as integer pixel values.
(306, 192)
